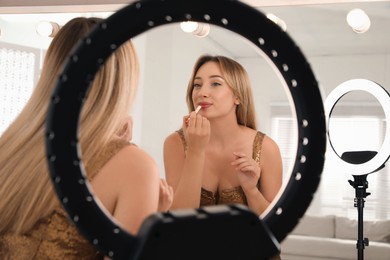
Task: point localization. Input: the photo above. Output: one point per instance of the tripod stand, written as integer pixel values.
(360, 184)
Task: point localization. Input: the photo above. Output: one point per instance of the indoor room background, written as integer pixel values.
(335, 52)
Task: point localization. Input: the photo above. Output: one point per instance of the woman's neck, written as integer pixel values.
(224, 131)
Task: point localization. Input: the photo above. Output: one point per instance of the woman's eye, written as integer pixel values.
(215, 84)
(196, 85)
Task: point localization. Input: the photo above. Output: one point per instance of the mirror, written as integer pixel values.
(167, 61)
(167, 55)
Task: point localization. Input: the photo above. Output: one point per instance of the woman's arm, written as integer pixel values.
(183, 173)
(269, 174)
(271, 169)
(184, 170)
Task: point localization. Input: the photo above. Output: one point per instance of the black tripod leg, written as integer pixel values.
(360, 184)
(360, 241)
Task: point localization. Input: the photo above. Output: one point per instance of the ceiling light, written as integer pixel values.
(198, 29)
(188, 26)
(358, 20)
(277, 20)
(48, 29)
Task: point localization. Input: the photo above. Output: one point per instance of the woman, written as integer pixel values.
(218, 156)
(125, 179)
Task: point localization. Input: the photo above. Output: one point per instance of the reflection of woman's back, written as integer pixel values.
(232, 195)
(124, 178)
(55, 237)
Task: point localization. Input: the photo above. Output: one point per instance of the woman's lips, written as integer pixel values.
(204, 105)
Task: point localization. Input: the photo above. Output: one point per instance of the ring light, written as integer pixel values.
(384, 99)
(63, 152)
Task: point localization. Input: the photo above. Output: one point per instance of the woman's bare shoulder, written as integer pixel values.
(130, 171)
(129, 164)
(270, 143)
(175, 136)
(173, 140)
(136, 158)
(270, 150)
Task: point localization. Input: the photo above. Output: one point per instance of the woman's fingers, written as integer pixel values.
(197, 124)
(166, 196)
(196, 131)
(239, 158)
(194, 120)
(243, 162)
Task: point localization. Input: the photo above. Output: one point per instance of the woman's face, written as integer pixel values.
(212, 93)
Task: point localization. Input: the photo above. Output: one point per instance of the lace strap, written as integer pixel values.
(183, 140)
(257, 145)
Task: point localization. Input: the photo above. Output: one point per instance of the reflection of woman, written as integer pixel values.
(218, 156)
(33, 224)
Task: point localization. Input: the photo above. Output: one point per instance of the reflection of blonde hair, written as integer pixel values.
(26, 192)
(237, 79)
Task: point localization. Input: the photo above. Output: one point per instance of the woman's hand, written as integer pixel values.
(248, 171)
(165, 196)
(196, 131)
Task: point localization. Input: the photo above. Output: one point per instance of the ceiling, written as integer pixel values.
(321, 29)
(318, 27)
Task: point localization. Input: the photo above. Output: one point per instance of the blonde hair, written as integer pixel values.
(26, 191)
(237, 79)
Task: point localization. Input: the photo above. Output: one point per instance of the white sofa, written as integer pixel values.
(335, 238)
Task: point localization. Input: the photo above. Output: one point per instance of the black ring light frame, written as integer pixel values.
(63, 151)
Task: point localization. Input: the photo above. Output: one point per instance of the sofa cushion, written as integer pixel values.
(331, 248)
(318, 226)
(378, 230)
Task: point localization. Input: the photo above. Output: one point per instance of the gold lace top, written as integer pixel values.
(233, 195)
(56, 237)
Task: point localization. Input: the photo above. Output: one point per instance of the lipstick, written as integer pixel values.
(198, 109)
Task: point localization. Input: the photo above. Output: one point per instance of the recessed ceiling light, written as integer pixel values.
(47, 28)
(198, 29)
(358, 20)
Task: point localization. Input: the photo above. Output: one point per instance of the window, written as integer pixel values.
(18, 73)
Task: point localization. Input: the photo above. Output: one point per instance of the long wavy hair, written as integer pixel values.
(26, 191)
(237, 79)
